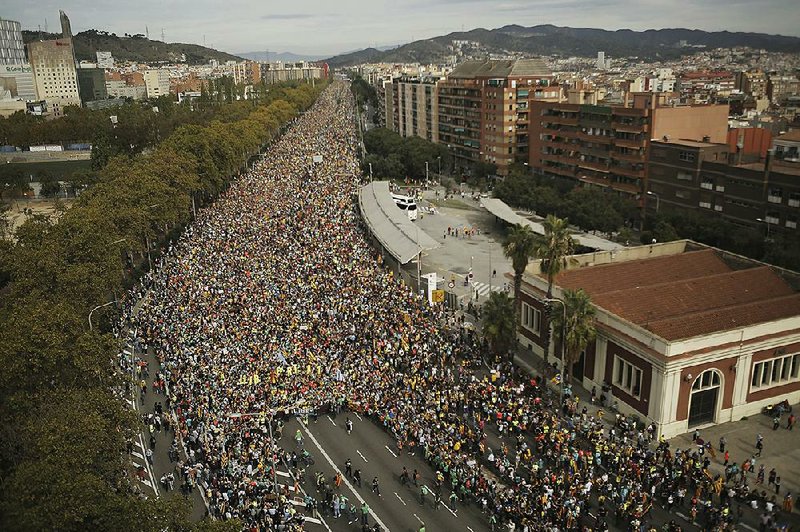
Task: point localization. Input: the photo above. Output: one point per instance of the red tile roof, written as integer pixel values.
(631, 274)
(686, 295)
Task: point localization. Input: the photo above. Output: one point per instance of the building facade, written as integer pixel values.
(92, 84)
(607, 145)
(679, 343)
(55, 73)
(414, 107)
(700, 176)
(156, 82)
(483, 110)
(12, 49)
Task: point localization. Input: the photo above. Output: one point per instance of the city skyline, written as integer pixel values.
(242, 26)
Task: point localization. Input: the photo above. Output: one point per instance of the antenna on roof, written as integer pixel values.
(162, 35)
(147, 32)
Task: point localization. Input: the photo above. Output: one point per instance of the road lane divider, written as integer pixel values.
(343, 476)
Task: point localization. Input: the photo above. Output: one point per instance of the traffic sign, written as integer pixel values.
(451, 284)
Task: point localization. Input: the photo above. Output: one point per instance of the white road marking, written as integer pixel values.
(331, 420)
(470, 529)
(359, 417)
(748, 527)
(449, 510)
(362, 456)
(391, 451)
(311, 519)
(418, 519)
(344, 478)
(399, 499)
(138, 455)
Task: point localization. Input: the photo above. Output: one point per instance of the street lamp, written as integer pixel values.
(563, 342)
(440, 166)
(426, 172)
(98, 307)
(658, 199)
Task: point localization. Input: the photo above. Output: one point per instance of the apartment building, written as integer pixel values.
(607, 145)
(247, 73)
(705, 86)
(414, 107)
(781, 87)
(483, 110)
(156, 81)
(704, 176)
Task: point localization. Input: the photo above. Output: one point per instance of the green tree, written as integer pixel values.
(520, 246)
(579, 327)
(499, 322)
(554, 248)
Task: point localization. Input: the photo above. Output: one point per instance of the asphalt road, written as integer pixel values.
(374, 452)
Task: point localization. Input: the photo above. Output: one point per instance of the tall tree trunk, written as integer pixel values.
(517, 310)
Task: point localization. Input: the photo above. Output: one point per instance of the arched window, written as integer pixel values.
(706, 380)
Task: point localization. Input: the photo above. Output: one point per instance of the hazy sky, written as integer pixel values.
(333, 26)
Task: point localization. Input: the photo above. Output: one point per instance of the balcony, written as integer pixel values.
(635, 157)
(774, 199)
(629, 128)
(794, 203)
(566, 172)
(630, 172)
(567, 121)
(707, 186)
(772, 220)
(720, 188)
(602, 139)
(594, 165)
(629, 143)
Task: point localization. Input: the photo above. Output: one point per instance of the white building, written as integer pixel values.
(156, 81)
(105, 60)
(601, 60)
(687, 336)
(55, 73)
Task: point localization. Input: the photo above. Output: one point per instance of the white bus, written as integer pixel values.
(407, 204)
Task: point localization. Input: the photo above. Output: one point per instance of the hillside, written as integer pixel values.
(286, 57)
(554, 40)
(135, 48)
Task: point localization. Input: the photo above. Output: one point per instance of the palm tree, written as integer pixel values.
(554, 248)
(579, 330)
(499, 322)
(519, 247)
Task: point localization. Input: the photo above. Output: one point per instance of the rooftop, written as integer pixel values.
(501, 69)
(695, 143)
(688, 292)
(792, 135)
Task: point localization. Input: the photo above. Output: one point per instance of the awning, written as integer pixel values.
(390, 225)
(504, 212)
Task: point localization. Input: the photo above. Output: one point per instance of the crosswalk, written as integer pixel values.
(297, 499)
(483, 289)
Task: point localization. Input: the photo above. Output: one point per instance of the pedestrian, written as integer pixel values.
(348, 468)
(776, 422)
(349, 425)
(788, 503)
(790, 422)
(365, 514)
(777, 485)
(375, 487)
(695, 435)
(722, 442)
(423, 492)
(727, 457)
(357, 477)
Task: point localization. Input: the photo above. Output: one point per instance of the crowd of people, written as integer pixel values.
(273, 302)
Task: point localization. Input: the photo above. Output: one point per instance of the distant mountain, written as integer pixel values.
(286, 57)
(586, 42)
(134, 48)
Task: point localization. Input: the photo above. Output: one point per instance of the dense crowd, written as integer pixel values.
(273, 301)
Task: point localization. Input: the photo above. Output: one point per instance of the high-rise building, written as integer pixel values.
(92, 84)
(156, 80)
(414, 107)
(12, 49)
(55, 73)
(66, 27)
(483, 110)
(607, 145)
(601, 60)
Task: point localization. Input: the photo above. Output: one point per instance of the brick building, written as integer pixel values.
(687, 335)
(704, 176)
(483, 110)
(607, 145)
